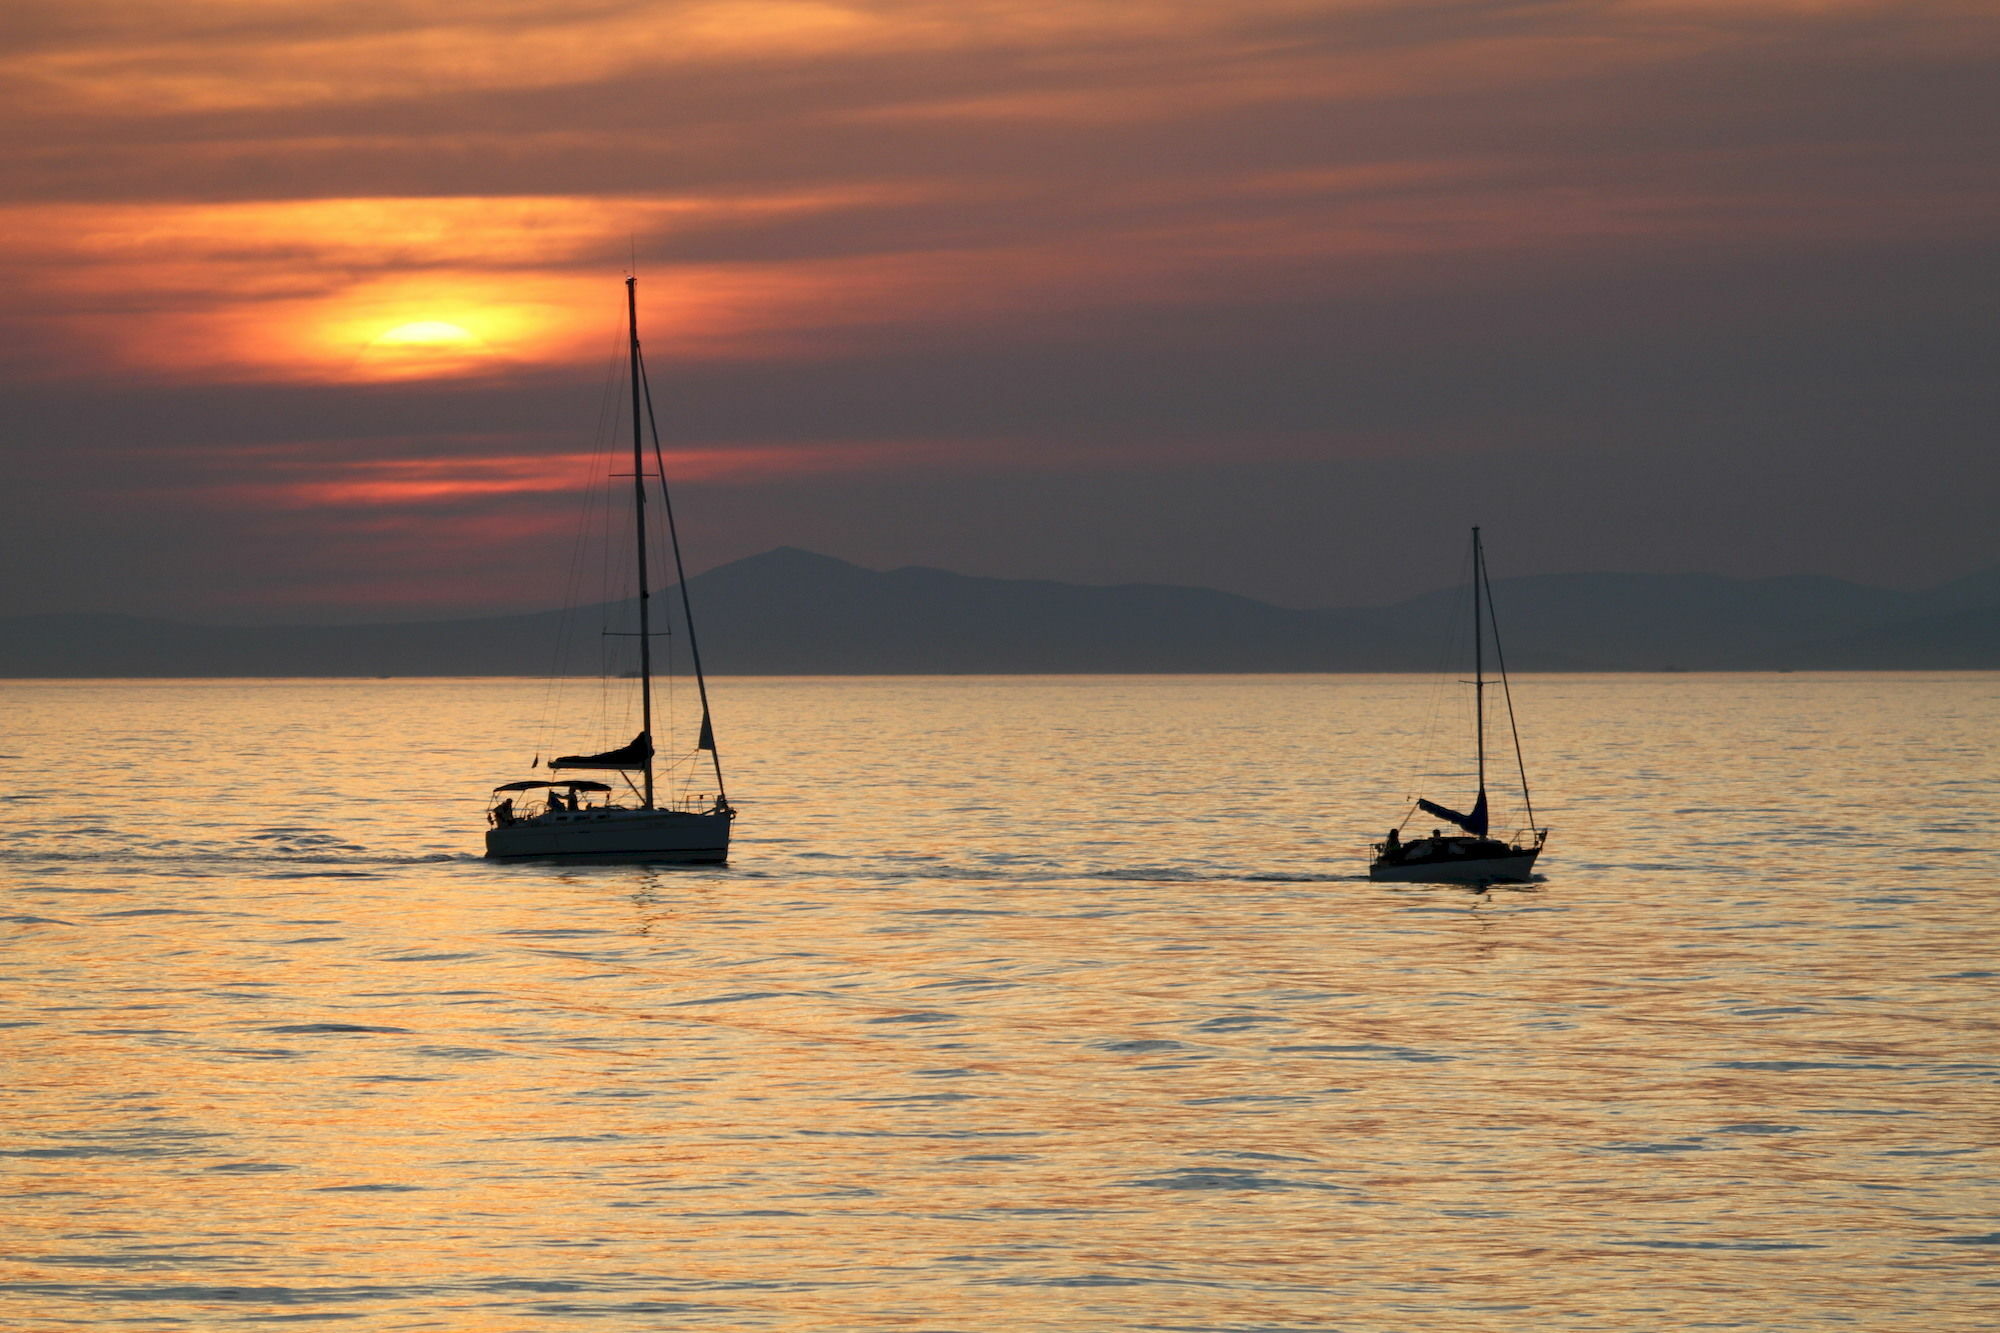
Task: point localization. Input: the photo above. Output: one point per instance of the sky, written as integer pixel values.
(307, 306)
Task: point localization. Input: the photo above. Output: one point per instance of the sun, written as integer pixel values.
(423, 349)
(444, 326)
(426, 333)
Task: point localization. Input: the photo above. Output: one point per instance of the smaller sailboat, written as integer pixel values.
(1473, 856)
(588, 820)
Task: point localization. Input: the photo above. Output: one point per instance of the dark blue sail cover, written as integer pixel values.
(629, 756)
(1474, 823)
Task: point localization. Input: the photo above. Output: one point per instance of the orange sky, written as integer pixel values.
(384, 215)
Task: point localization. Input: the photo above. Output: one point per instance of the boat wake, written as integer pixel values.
(183, 858)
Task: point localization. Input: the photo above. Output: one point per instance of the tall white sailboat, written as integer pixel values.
(589, 820)
(1474, 856)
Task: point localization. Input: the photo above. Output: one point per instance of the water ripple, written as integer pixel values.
(1721, 1066)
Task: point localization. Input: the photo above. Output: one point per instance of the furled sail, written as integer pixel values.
(630, 756)
(1474, 823)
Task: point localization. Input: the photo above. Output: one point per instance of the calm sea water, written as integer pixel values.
(1026, 1004)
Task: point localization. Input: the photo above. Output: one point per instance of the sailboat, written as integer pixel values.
(1474, 856)
(588, 820)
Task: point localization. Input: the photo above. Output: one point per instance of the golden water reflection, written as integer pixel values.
(1041, 1004)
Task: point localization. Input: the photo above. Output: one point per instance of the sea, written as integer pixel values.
(1024, 1003)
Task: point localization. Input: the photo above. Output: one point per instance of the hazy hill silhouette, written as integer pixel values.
(771, 612)
(789, 611)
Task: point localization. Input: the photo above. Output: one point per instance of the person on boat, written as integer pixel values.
(1392, 846)
(555, 802)
(503, 813)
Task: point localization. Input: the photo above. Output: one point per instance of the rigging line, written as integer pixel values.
(1440, 696)
(612, 575)
(1421, 755)
(592, 559)
(573, 580)
(687, 609)
(1478, 661)
(618, 592)
(1507, 693)
(680, 575)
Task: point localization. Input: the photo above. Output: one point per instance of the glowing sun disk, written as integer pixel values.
(425, 333)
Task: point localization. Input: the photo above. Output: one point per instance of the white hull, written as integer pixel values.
(1516, 867)
(615, 835)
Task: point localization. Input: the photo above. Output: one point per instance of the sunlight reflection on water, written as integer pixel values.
(1027, 1003)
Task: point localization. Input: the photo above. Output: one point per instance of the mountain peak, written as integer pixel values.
(790, 559)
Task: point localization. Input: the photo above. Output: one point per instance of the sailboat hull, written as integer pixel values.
(622, 836)
(1515, 867)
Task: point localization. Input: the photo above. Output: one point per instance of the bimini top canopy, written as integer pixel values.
(578, 785)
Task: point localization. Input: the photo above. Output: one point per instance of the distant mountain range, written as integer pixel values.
(791, 612)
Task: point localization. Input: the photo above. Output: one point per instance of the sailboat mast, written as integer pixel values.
(1478, 661)
(639, 531)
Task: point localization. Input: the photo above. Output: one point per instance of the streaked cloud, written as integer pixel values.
(323, 481)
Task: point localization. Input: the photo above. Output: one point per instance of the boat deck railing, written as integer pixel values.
(693, 805)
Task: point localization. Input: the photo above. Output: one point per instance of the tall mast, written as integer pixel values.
(639, 529)
(1478, 661)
